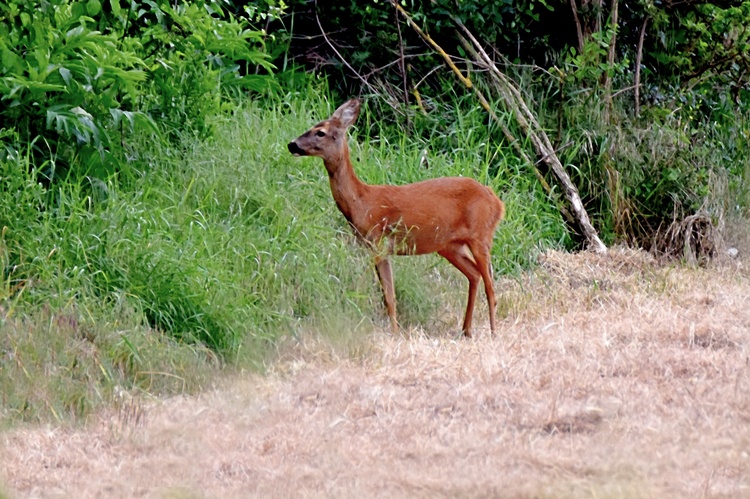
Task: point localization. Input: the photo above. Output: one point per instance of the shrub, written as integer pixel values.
(76, 77)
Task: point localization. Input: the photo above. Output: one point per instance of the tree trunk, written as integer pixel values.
(579, 29)
(402, 67)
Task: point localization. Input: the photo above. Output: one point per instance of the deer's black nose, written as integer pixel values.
(295, 149)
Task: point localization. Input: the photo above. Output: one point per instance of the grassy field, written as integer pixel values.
(613, 376)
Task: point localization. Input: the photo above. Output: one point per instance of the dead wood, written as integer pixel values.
(516, 104)
(694, 238)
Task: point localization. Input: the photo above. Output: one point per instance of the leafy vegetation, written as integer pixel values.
(214, 249)
(78, 78)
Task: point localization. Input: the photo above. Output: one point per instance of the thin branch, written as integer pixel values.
(436, 68)
(623, 90)
(402, 67)
(374, 71)
(467, 82)
(638, 59)
(363, 80)
(313, 37)
(544, 158)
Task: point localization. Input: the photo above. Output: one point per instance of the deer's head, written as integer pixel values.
(327, 139)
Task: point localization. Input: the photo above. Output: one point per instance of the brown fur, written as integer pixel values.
(455, 217)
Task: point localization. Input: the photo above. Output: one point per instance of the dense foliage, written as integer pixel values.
(78, 77)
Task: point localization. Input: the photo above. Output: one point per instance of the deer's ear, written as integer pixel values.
(347, 113)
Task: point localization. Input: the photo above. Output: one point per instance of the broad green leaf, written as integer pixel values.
(65, 73)
(93, 7)
(32, 85)
(116, 9)
(11, 62)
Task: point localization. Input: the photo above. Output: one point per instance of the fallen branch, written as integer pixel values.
(516, 104)
(553, 195)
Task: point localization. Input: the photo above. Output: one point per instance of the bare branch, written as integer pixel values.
(333, 47)
(623, 90)
(638, 59)
(402, 66)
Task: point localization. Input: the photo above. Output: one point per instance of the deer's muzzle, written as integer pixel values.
(295, 149)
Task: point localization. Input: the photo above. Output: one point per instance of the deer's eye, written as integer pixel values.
(320, 133)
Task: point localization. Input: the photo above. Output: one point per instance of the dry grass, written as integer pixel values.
(613, 377)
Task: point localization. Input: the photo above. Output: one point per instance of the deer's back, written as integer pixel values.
(427, 215)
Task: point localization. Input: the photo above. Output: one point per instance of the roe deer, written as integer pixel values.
(452, 216)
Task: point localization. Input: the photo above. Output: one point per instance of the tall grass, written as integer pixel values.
(681, 156)
(215, 249)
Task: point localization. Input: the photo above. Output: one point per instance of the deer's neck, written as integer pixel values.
(346, 188)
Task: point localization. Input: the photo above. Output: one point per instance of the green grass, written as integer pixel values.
(206, 252)
(60, 364)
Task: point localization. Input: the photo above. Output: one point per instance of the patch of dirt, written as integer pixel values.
(636, 388)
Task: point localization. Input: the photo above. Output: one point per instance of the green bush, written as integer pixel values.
(78, 77)
(66, 87)
(196, 54)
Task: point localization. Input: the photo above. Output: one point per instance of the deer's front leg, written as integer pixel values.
(385, 274)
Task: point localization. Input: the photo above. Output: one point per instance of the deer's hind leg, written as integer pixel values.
(461, 257)
(385, 275)
(483, 261)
